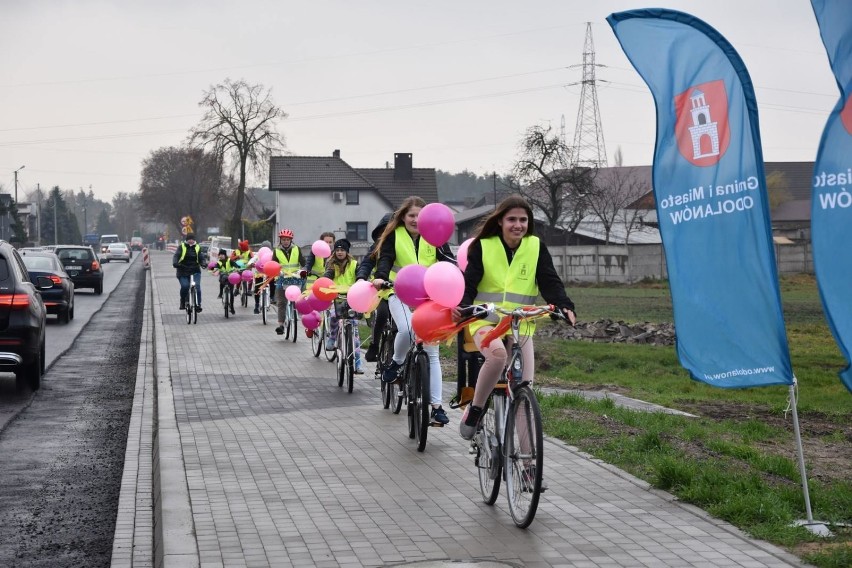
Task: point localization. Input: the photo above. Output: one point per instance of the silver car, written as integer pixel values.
(116, 251)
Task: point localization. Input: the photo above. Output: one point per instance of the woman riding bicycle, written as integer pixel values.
(341, 269)
(399, 246)
(509, 266)
(289, 256)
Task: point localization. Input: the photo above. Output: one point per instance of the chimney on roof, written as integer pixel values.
(402, 166)
(335, 154)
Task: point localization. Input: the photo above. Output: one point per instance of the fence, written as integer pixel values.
(630, 263)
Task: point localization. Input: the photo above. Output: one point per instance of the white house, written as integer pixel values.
(315, 194)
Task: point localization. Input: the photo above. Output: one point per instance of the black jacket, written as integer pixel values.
(191, 264)
(388, 255)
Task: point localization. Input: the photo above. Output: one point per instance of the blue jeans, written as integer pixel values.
(184, 286)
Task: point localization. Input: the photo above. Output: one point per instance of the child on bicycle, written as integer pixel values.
(314, 266)
(509, 266)
(223, 268)
(341, 268)
(259, 278)
(289, 256)
(399, 246)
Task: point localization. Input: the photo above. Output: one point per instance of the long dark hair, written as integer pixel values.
(490, 226)
(340, 265)
(398, 219)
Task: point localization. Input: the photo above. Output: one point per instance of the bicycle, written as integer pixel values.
(263, 290)
(228, 299)
(290, 316)
(192, 302)
(392, 395)
(345, 345)
(508, 443)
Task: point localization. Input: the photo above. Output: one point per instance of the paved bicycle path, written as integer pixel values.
(283, 468)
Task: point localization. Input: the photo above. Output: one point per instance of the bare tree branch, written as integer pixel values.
(240, 123)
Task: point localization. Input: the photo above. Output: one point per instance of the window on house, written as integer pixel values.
(356, 231)
(351, 197)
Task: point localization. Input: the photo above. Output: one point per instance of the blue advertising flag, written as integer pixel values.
(710, 192)
(831, 200)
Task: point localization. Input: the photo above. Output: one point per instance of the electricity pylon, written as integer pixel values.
(589, 149)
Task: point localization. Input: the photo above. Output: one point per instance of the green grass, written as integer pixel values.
(737, 459)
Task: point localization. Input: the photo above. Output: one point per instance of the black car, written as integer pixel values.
(58, 300)
(82, 265)
(22, 319)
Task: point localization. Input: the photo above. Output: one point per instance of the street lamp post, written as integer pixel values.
(16, 183)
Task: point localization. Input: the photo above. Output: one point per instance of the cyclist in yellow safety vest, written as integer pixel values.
(188, 260)
(314, 266)
(224, 267)
(509, 266)
(341, 269)
(291, 260)
(399, 246)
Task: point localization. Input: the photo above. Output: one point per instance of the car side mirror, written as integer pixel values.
(44, 283)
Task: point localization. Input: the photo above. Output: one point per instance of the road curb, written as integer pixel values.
(175, 543)
(133, 540)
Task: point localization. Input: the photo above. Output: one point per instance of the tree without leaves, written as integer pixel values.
(183, 181)
(240, 122)
(614, 190)
(554, 187)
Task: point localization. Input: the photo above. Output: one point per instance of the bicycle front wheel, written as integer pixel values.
(524, 456)
(420, 407)
(489, 459)
(264, 304)
(293, 321)
(318, 339)
(228, 300)
(341, 357)
(349, 342)
(326, 329)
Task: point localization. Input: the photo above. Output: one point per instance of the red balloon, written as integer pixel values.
(271, 269)
(319, 285)
(431, 321)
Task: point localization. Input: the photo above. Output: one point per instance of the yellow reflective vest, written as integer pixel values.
(347, 277)
(508, 285)
(290, 266)
(406, 254)
(184, 248)
(317, 268)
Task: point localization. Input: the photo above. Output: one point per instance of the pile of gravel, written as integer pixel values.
(610, 331)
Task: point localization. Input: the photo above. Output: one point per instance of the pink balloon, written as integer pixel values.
(303, 306)
(311, 320)
(292, 293)
(436, 224)
(234, 277)
(212, 264)
(321, 249)
(361, 296)
(259, 265)
(247, 275)
(408, 285)
(461, 255)
(444, 283)
(264, 252)
(317, 304)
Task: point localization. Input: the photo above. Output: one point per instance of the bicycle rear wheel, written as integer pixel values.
(244, 294)
(489, 458)
(524, 456)
(384, 359)
(227, 299)
(419, 406)
(288, 315)
(264, 304)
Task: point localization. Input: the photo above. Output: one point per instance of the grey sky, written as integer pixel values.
(89, 88)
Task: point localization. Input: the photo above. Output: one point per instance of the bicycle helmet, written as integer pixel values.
(285, 234)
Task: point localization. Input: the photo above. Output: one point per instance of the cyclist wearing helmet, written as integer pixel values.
(291, 260)
(259, 278)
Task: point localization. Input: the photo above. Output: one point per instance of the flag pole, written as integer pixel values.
(816, 527)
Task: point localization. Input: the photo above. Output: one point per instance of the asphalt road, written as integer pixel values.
(62, 455)
(61, 337)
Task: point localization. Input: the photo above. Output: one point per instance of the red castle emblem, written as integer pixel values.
(702, 129)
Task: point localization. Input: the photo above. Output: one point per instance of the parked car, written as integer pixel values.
(22, 319)
(116, 251)
(59, 299)
(82, 265)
